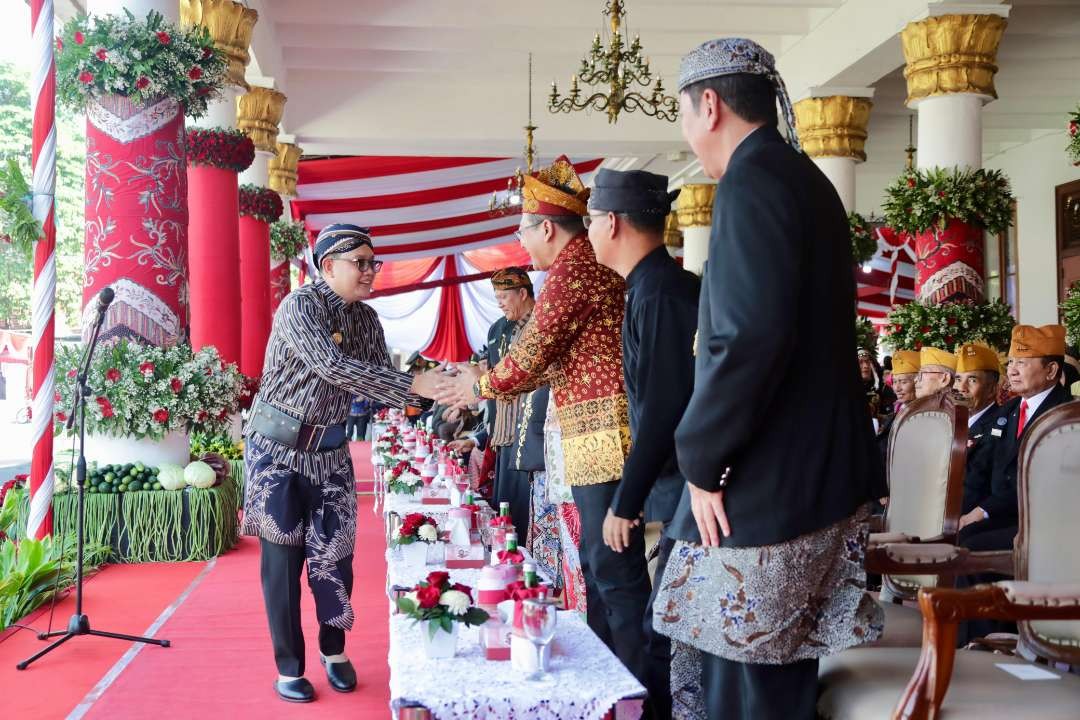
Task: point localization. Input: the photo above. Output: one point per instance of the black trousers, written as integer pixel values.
(658, 647)
(356, 427)
(734, 690)
(513, 486)
(280, 567)
(617, 587)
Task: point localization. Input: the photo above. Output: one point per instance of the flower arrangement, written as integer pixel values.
(1070, 314)
(510, 557)
(922, 200)
(416, 527)
(260, 203)
(142, 391)
(948, 325)
(143, 60)
(442, 603)
(225, 148)
(17, 223)
(1073, 128)
(863, 242)
(865, 334)
(287, 239)
(401, 479)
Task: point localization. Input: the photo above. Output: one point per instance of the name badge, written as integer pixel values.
(996, 432)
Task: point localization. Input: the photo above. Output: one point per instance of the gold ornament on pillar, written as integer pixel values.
(230, 24)
(833, 126)
(258, 112)
(694, 205)
(672, 235)
(282, 168)
(951, 54)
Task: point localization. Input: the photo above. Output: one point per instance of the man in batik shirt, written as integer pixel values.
(326, 347)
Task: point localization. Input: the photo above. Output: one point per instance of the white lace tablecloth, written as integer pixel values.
(398, 573)
(405, 504)
(588, 679)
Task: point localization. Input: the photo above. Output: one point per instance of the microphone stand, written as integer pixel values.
(79, 624)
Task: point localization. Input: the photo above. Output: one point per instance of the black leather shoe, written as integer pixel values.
(341, 675)
(297, 691)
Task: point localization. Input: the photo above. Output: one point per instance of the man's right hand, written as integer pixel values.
(462, 446)
(426, 383)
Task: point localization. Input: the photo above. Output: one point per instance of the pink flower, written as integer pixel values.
(86, 77)
(101, 54)
(176, 385)
(195, 73)
(79, 38)
(161, 415)
(56, 397)
(163, 37)
(112, 374)
(147, 369)
(142, 82)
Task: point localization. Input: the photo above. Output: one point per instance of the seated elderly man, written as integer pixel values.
(978, 374)
(905, 365)
(937, 372)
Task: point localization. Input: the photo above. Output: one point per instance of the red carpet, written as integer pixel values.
(121, 598)
(361, 459)
(221, 663)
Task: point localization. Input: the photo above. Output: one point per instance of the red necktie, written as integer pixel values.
(1023, 419)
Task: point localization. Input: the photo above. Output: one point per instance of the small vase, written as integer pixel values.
(443, 644)
(415, 554)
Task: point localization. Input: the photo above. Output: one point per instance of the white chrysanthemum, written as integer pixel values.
(456, 602)
(428, 533)
(410, 478)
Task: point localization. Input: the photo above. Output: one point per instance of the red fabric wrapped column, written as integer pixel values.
(136, 218)
(214, 259)
(950, 263)
(258, 208)
(280, 283)
(451, 342)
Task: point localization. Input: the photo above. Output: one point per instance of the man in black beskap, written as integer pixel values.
(626, 218)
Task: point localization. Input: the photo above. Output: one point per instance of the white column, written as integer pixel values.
(832, 125)
(221, 113)
(694, 208)
(258, 173)
(169, 9)
(841, 173)
(950, 131)
(695, 247)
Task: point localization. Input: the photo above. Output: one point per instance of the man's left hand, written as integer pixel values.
(426, 384)
(457, 390)
(617, 531)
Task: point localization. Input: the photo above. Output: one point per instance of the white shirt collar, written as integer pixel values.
(1034, 402)
(972, 419)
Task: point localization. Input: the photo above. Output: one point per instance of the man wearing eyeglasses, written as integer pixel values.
(937, 372)
(326, 347)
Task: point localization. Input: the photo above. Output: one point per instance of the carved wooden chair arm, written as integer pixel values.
(943, 609)
(935, 559)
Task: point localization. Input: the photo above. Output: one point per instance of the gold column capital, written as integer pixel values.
(951, 54)
(694, 205)
(833, 126)
(258, 112)
(230, 25)
(672, 235)
(282, 166)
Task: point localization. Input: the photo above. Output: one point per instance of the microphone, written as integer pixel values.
(105, 297)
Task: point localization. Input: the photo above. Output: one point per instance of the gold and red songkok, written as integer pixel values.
(555, 190)
(511, 278)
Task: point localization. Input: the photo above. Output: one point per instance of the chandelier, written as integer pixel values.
(620, 69)
(511, 203)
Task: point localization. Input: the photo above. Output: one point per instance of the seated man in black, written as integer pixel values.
(977, 377)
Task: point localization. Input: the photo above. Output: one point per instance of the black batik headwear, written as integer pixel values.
(632, 191)
(340, 238)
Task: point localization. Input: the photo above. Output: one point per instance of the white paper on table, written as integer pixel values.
(1027, 672)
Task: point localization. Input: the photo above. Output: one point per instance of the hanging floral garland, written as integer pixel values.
(865, 334)
(225, 148)
(143, 60)
(1073, 129)
(921, 200)
(1070, 314)
(863, 242)
(143, 391)
(287, 239)
(949, 325)
(260, 203)
(17, 223)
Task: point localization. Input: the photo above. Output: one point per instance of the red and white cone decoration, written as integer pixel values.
(43, 322)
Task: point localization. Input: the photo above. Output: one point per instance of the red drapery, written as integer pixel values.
(401, 273)
(366, 166)
(254, 294)
(498, 256)
(450, 342)
(213, 260)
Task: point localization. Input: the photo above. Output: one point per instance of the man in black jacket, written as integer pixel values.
(977, 378)
(1036, 360)
(768, 464)
(626, 228)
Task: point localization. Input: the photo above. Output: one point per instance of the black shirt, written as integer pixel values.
(658, 370)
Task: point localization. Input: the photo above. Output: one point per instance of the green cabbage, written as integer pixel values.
(171, 477)
(200, 475)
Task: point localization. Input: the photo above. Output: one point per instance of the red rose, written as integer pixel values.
(195, 73)
(163, 37)
(86, 77)
(112, 374)
(176, 385)
(59, 44)
(201, 415)
(62, 417)
(147, 369)
(72, 373)
(951, 320)
(924, 329)
(911, 182)
(101, 54)
(463, 588)
(436, 578)
(56, 397)
(918, 344)
(142, 82)
(207, 52)
(106, 407)
(941, 193)
(161, 415)
(949, 339)
(79, 38)
(428, 597)
(203, 91)
(223, 414)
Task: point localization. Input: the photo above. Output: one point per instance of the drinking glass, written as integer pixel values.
(538, 617)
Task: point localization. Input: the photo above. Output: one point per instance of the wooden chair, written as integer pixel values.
(869, 682)
(926, 460)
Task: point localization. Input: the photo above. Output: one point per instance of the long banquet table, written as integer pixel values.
(589, 682)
